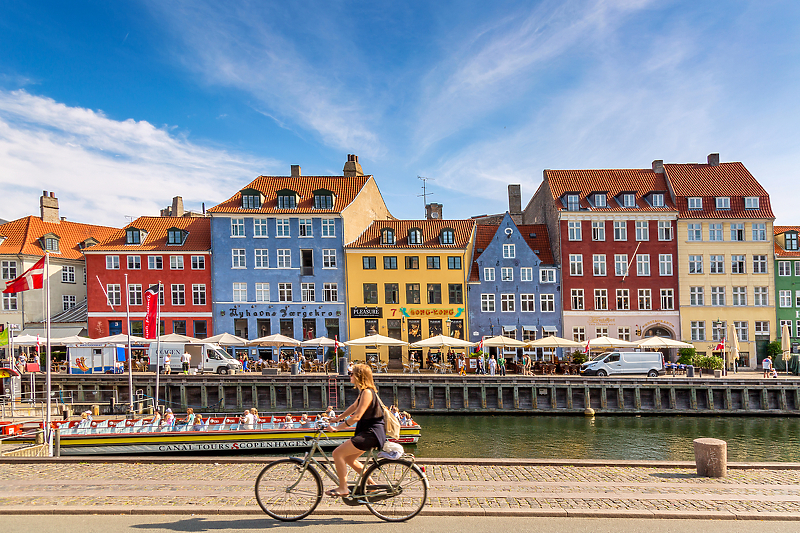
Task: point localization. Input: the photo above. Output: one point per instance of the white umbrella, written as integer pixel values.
(660, 342)
(274, 340)
(376, 340)
(442, 341)
(73, 339)
(610, 342)
(177, 337)
(555, 342)
(319, 341)
(29, 340)
(226, 339)
(786, 344)
(121, 339)
(503, 342)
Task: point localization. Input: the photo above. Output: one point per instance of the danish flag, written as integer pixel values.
(721, 346)
(33, 278)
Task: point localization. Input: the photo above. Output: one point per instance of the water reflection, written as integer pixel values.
(567, 437)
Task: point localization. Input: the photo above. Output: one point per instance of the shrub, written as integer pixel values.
(578, 357)
(709, 362)
(687, 356)
(774, 349)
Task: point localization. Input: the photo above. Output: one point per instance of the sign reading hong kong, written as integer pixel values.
(409, 312)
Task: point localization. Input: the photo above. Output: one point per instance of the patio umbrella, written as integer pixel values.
(121, 339)
(376, 340)
(610, 342)
(274, 340)
(442, 341)
(657, 343)
(503, 342)
(554, 342)
(177, 337)
(786, 345)
(734, 346)
(29, 340)
(73, 339)
(226, 339)
(319, 341)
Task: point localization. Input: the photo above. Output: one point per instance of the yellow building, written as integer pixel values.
(725, 251)
(406, 279)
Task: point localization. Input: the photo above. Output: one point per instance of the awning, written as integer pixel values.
(509, 328)
(528, 328)
(55, 331)
(552, 329)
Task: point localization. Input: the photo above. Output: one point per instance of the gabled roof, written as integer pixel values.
(613, 181)
(431, 229)
(779, 251)
(22, 236)
(697, 180)
(484, 233)
(198, 238)
(344, 189)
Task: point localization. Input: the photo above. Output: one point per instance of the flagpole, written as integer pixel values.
(130, 351)
(47, 433)
(158, 341)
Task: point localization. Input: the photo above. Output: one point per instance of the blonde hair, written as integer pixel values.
(362, 375)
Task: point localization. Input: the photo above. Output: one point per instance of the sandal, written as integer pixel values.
(334, 493)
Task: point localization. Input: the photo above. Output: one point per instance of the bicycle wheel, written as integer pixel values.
(400, 490)
(287, 492)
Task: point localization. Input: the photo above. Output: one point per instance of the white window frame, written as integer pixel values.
(261, 258)
(751, 202)
(694, 232)
(737, 232)
(599, 231)
(574, 231)
(695, 264)
(260, 228)
(722, 202)
(577, 300)
(285, 292)
(509, 251)
(526, 274)
(283, 228)
(658, 199)
(547, 275)
(642, 264)
(718, 296)
(329, 258)
(760, 264)
(508, 303)
(759, 232)
(716, 264)
(487, 303)
(67, 274)
(114, 292)
(262, 292)
(761, 296)
(623, 299)
(620, 264)
(738, 264)
(601, 299)
(715, 232)
(307, 292)
(506, 274)
(599, 265)
(178, 293)
(199, 294)
(697, 296)
(68, 301)
(784, 268)
(176, 262)
(664, 230)
(527, 303)
(330, 292)
(575, 265)
(328, 228)
(237, 228)
(155, 262)
(665, 264)
(667, 299)
(112, 262)
(785, 298)
(645, 300)
(547, 303)
(239, 292)
(238, 258)
(198, 262)
(620, 230)
(305, 227)
(642, 230)
(284, 258)
(739, 296)
(694, 203)
(488, 274)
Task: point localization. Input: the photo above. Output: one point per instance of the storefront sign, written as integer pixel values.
(409, 312)
(366, 312)
(244, 311)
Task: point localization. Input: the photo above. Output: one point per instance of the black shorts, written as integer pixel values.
(365, 441)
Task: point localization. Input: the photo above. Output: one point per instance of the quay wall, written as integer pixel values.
(444, 394)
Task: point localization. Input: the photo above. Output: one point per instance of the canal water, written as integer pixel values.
(607, 437)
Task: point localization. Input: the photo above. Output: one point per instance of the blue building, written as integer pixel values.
(514, 284)
(278, 252)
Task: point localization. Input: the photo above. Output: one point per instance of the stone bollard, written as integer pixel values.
(711, 457)
(95, 410)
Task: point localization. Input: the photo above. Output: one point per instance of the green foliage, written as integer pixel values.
(578, 357)
(479, 354)
(774, 349)
(709, 362)
(686, 356)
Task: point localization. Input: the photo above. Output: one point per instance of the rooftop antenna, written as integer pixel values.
(129, 218)
(425, 192)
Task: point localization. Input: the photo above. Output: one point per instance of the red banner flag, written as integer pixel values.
(33, 278)
(151, 301)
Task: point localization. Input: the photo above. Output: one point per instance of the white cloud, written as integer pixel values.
(103, 169)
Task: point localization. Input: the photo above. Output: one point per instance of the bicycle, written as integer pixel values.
(290, 489)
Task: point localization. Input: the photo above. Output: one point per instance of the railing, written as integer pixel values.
(40, 448)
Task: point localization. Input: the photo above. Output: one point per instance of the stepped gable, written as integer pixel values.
(431, 230)
(613, 181)
(198, 230)
(22, 237)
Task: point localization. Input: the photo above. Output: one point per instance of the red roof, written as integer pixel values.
(344, 189)
(198, 236)
(612, 181)
(431, 229)
(484, 234)
(22, 236)
(780, 252)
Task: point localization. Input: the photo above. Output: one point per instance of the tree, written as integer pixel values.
(774, 349)
(686, 356)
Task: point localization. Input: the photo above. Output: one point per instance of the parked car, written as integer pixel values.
(607, 364)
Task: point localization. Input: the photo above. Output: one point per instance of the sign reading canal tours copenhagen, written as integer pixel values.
(366, 312)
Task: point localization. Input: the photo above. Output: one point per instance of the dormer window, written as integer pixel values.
(251, 199)
(751, 202)
(447, 236)
(133, 236)
(628, 200)
(791, 240)
(50, 242)
(323, 199)
(658, 199)
(600, 200)
(723, 202)
(695, 203)
(287, 199)
(387, 236)
(91, 241)
(175, 236)
(414, 236)
(573, 202)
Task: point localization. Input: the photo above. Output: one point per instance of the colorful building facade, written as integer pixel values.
(787, 284)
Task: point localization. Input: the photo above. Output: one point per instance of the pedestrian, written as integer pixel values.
(501, 364)
(167, 360)
(766, 364)
(186, 359)
(481, 366)
(492, 365)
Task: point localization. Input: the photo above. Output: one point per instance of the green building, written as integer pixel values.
(787, 289)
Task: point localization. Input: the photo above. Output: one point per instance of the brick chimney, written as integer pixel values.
(177, 207)
(658, 166)
(48, 205)
(352, 167)
(295, 171)
(713, 160)
(433, 211)
(515, 203)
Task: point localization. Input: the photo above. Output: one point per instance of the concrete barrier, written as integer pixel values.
(711, 457)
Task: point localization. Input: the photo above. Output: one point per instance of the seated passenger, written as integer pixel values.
(305, 422)
(409, 420)
(169, 418)
(288, 423)
(247, 420)
(85, 422)
(198, 423)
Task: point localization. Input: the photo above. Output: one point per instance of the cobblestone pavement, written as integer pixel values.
(525, 489)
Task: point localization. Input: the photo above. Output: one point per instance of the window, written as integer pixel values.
(797, 298)
(413, 293)
(623, 300)
(620, 231)
(761, 296)
(237, 228)
(307, 292)
(695, 203)
(507, 274)
(737, 264)
(664, 230)
(178, 294)
(577, 299)
(305, 228)
(434, 293)
(547, 275)
(718, 296)
(507, 303)
(598, 231)
(448, 237)
(547, 303)
(797, 268)
(620, 264)
(390, 262)
(509, 251)
(261, 258)
(9, 270)
(284, 292)
(259, 227)
(527, 303)
(642, 230)
(723, 202)
(715, 232)
(487, 303)
(135, 294)
(387, 236)
(114, 292)
(737, 232)
(198, 262)
(68, 302)
(323, 201)
(112, 262)
(262, 292)
(282, 228)
(739, 295)
(67, 274)
(658, 200)
(600, 200)
(576, 264)
(762, 327)
(285, 258)
(287, 201)
(698, 330)
(785, 298)
(238, 259)
(526, 273)
(155, 262)
(719, 330)
(790, 239)
(602, 331)
(328, 258)
(453, 262)
(600, 299)
(751, 202)
(695, 232)
(579, 334)
(742, 330)
(695, 264)
(574, 231)
(573, 202)
(455, 293)
(199, 293)
(133, 236)
(667, 299)
(528, 333)
(176, 262)
(665, 264)
(433, 262)
(330, 292)
(760, 232)
(134, 262)
(717, 263)
(624, 333)
(599, 264)
(759, 264)
(645, 299)
(412, 262)
(251, 201)
(328, 227)
(643, 264)
(696, 296)
(488, 274)
(628, 200)
(414, 236)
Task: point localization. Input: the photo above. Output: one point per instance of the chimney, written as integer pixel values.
(515, 202)
(352, 167)
(177, 207)
(433, 211)
(658, 166)
(48, 205)
(295, 171)
(713, 160)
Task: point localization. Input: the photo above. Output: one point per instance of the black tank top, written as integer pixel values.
(372, 416)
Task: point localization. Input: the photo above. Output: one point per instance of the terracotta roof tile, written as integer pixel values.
(344, 189)
(198, 238)
(22, 236)
(613, 181)
(484, 233)
(431, 229)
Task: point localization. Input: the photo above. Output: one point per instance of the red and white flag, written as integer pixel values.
(586, 349)
(721, 346)
(33, 278)
(151, 302)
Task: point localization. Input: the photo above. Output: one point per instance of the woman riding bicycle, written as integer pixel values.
(367, 413)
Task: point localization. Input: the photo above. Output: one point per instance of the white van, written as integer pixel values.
(206, 357)
(607, 364)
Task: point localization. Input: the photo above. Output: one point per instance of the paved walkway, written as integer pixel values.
(458, 487)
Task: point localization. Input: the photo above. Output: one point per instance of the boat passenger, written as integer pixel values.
(288, 423)
(156, 421)
(85, 422)
(169, 418)
(403, 418)
(198, 423)
(167, 368)
(189, 417)
(247, 420)
(305, 422)
(409, 421)
(329, 412)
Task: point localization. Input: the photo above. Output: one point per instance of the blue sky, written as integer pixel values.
(119, 106)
